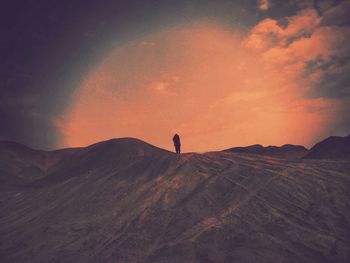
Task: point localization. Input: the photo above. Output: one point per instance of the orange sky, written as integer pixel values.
(216, 87)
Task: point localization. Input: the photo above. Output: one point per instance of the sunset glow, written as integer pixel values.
(216, 87)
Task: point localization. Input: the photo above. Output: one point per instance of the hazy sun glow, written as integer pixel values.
(202, 81)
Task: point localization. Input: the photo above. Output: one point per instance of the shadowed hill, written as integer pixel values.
(21, 164)
(331, 148)
(286, 151)
(124, 200)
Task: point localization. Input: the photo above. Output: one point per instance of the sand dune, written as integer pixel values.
(124, 200)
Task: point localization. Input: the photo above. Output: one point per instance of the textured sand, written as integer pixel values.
(127, 201)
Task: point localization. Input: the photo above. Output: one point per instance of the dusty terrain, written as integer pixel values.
(126, 201)
(287, 151)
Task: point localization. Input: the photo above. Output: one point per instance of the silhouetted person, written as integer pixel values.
(177, 144)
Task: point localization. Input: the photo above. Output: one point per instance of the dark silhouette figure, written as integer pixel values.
(177, 144)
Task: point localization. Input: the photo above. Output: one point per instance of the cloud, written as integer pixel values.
(266, 34)
(309, 48)
(264, 5)
(303, 23)
(269, 33)
(284, 81)
(162, 88)
(148, 43)
(303, 41)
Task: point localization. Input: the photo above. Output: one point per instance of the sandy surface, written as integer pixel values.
(127, 201)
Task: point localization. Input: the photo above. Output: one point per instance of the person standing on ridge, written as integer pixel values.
(177, 144)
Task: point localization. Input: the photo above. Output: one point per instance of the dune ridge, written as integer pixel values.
(124, 200)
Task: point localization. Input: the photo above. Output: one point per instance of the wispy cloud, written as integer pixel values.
(264, 5)
(162, 88)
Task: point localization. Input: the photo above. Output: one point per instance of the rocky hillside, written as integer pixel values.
(124, 200)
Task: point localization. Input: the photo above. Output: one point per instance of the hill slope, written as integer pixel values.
(333, 147)
(288, 151)
(128, 201)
